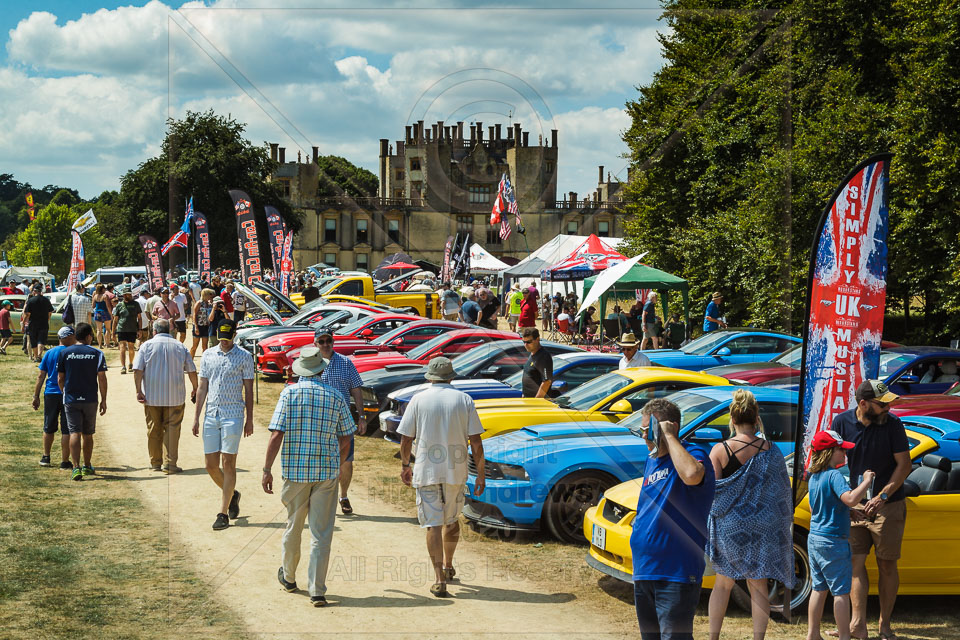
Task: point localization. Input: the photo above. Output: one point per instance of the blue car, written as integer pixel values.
(912, 370)
(727, 346)
(570, 370)
(547, 476)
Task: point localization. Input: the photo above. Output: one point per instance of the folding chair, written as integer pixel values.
(563, 333)
(611, 332)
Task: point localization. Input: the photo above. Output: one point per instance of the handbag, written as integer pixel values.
(67, 313)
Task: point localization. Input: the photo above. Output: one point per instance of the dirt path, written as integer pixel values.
(379, 575)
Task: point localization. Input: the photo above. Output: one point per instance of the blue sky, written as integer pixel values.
(85, 87)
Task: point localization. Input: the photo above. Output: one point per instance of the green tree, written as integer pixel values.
(47, 240)
(339, 175)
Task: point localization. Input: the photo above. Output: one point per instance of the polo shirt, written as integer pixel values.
(80, 365)
(470, 311)
(713, 311)
(875, 446)
(515, 299)
(341, 375)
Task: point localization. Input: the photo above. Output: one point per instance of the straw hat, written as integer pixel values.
(628, 340)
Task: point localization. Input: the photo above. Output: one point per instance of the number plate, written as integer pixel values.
(599, 537)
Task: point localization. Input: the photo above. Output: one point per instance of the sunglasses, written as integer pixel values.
(325, 341)
(529, 341)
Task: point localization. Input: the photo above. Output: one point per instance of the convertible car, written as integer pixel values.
(547, 476)
(724, 347)
(933, 522)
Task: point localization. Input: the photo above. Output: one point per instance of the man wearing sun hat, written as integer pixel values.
(311, 429)
(880, 445)
(226, 390)
(444, 422)
(632, 356)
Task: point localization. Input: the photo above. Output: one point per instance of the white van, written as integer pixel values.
(106, 275)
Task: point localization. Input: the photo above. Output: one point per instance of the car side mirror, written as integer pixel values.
(621, 406)
(724, 351)
(366, 333)
(707, 434)
(491, 371)
(911, 489)
(559, 385)
(398, 342)
(908, 379)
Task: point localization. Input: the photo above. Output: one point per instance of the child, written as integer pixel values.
(831, 566)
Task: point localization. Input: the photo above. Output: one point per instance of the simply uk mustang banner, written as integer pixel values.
(202, 229)
(277, 230)
(151, 255)
(250, 263)
(846, 294)
(78, 265)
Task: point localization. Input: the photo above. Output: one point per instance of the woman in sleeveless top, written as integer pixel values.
(749, 523)
(201, 321)
(102, 313)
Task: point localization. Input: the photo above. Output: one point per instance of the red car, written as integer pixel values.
(936, 405)
(272, 351)
(448, 344)
(402, 339)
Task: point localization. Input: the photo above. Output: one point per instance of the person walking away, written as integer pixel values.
(676, 332)
(469, 310)
(239, 305)
(53, 416)
(712, 319)
(101, 313)
(831, 566)
(111, 327)
(201, 321)
(881, 446)
(82, 306)
(6, 334)
(514, 299)
(631, 355)
(528, 311)
(341, 374)
(538, 370)
(670, 527)
(180, 297)
(158, 376)
(450, 301)
(311, 429)
(143, 300)
(227, 296)
(36, 321)
(81, 373)
(226, 390)
(751, 516)
(443, 421)
(650, 322)
(129, 324)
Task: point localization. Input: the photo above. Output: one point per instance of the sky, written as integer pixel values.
(86, 87)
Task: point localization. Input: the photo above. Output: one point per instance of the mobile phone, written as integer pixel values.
(654, 430)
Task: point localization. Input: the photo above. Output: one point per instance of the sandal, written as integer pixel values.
(345, 506)
(439, 589)
(449, 573)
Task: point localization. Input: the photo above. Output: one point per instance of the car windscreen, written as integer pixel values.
(467, 363)
(890, 362)
(305, 311)
(427, 347)
(356, 325)
(702, 345)
(327, 288)
(791, 357)
(692, 405)
(390, 335)
(516, 380)
(590, 393)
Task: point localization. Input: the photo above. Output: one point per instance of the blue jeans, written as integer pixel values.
(665, 609)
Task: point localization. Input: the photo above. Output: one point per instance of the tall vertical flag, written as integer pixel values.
(203, 246)
(85, 222)
(286, 264)
(846, 294)
(250, 264)
(152, 258)
(499, 204)
(512, 206)
(278, 233)
(180, 238)
(31, 210)
(445, 269)
(78, 266)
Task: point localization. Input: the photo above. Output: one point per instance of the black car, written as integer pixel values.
(496, 360)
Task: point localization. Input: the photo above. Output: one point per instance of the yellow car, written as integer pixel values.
(612, 396)
(930, 555)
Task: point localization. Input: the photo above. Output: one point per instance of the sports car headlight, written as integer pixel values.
(369, 397)
(506, 471)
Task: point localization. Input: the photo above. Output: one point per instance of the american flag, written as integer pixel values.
(505, 229)
(510, 198)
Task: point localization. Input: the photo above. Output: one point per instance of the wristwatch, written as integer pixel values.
(405, 466)
(884, 496)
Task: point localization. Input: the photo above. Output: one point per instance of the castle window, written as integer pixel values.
(572, 228)
(393, 230)
(330, 230)
(479, 193)
(362, 235)
(603, 229)
(414, 164)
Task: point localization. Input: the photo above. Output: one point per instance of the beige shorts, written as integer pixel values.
(885, 532)
(439, 504)
(650, 330)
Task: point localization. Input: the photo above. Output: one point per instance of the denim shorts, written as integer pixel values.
(831, 564)
(221, 435)
(665, 609)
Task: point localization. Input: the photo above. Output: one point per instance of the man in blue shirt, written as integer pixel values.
(470, 310)
(649, 319)
(53, 401)
(81, 372)
(670, 528)
(712, 320)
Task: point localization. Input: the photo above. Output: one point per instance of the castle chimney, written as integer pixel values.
(273, 151)
(490, 131)
(553, 138)
(509, 133)
(316, 154)
(420, 129)
(473, 135)
(433, 128)
(600, 179)
(516, 132)
(448, 133)
(480, 132)
(573, 196)
(440, 129)
(498, 132)
(400, 146)
(526, 138)
(408, 127)
(283, 154)
(459, 130)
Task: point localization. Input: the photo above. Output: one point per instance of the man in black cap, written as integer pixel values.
(881, 446)
(36, 321)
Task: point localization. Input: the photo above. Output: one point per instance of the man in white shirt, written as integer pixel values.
(443, 421)
(181, 320)
(632, 356)
(143, 299)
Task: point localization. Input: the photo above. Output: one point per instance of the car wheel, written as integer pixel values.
(569, 500)
(801, 588)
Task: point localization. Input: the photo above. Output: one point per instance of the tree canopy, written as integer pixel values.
(756, 116)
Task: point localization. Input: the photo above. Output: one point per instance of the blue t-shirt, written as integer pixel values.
(670, 528)
(80, 364)
(828, 515)
(48, 364)
(470, 310)
(713, 311)
(649, 312)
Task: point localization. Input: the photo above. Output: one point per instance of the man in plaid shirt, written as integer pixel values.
(311, 428)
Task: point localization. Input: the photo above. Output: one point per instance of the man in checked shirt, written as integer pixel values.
(313, 426)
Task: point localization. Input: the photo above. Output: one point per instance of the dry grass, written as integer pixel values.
(83, 559)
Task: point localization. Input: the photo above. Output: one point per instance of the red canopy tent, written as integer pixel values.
(589, 259)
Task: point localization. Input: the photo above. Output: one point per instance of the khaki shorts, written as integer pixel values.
(650, 330)
(885, 532)
(439, 504)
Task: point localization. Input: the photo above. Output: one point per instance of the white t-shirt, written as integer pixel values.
(143, 307)
(639, 359)
(442, 419)
(181, 300)
(563, 316)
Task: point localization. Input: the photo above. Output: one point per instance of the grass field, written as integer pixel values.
(83, 559)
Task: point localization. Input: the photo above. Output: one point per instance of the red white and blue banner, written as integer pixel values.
(589, 259)
(182, 236)
(278, 233)
(846, 296)
(202, 230)
(152, 259)
(78, 266)
(445, 269)
(286, 264)
(251, 266)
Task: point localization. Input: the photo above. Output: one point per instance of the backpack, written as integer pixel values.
(67, 313)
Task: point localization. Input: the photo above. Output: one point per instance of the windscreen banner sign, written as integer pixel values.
(250, 264)
(846, 295)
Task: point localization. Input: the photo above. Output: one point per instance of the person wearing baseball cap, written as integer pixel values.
(5, 332)
(880, 444)
(831, 499)
(226, 390)
(444, 422)
(712, 320)
(53, 414)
